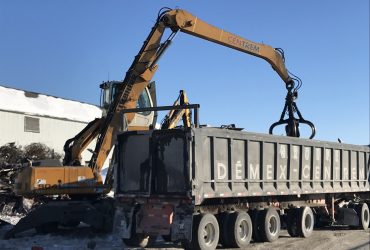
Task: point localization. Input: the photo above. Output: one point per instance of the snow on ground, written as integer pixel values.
(68, 239)
(335, 238)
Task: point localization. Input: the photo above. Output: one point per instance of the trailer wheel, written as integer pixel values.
(240, 230)
(292, 222)
(206, 232)
(306, 222)
(364, 216)
(254, 214)
(269, 224)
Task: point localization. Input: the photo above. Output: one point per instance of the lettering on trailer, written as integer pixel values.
(244, 44)
(283, 157)
(254, 169)
(336, 164)
(317, 166)
(294, 175)
(238, 170)
(222, 170)
(254, 172)
(327, 165)
(269, 172)
(345, 165)
(306, 167)
(354, 172)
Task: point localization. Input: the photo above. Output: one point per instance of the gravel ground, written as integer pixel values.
(334, 238)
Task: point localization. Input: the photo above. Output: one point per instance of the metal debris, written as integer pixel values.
(12, 206)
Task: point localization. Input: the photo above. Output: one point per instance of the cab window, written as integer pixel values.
(143, 102)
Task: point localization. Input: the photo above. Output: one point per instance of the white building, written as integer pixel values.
(28, 117)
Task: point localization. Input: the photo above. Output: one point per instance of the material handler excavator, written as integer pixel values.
(86, 181)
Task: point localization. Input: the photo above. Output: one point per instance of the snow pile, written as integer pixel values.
(44, 105)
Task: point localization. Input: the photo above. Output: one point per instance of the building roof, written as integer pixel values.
(45, 105)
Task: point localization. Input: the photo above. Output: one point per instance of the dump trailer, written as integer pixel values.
(206, 186)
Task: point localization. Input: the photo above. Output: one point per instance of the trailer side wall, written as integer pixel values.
(233, 164)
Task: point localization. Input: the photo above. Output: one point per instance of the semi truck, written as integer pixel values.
(206, 186)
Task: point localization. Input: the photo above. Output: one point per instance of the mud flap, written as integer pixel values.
(181, 228)
(123, 222)
(347, 216)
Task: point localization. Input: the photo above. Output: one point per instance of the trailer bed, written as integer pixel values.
(223, 163)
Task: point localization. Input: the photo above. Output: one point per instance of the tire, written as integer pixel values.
(206, 232)
(364, 216)
(240, 230)
(269, 225)
(254, 214)
(306, 222)
(292, 222)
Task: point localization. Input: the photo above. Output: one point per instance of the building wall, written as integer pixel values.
(53, 131)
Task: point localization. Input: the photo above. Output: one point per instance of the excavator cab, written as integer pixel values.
(108, 90)
(147, 99)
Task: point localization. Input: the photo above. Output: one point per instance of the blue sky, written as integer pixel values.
(67, 48)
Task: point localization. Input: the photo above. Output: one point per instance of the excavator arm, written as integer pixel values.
(74, 147)
(192, 25)
(144, 67)
(180, 20)
(137, 78)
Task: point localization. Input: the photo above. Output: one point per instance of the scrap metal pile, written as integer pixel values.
(12, 206)
(13, 158)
